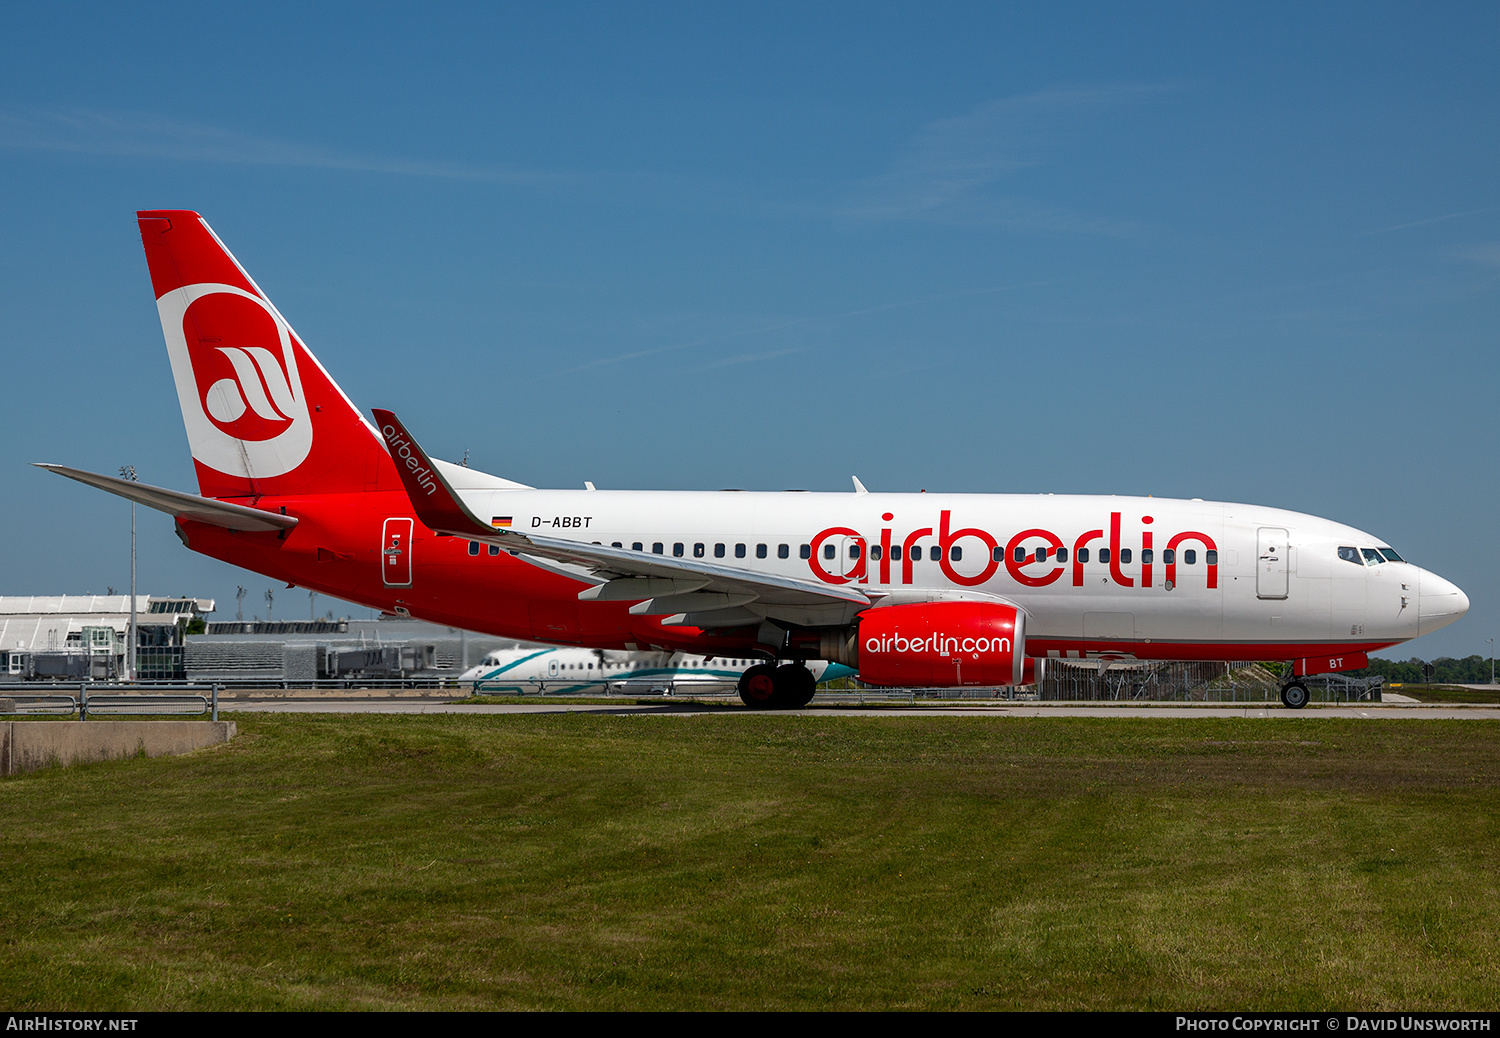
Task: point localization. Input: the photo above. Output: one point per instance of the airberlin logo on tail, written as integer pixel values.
(235, 365)
(258, 384)
(406, 453)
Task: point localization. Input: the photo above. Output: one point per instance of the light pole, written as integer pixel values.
(128, 472)
(1492, 661)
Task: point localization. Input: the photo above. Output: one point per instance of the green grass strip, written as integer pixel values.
(568, 861)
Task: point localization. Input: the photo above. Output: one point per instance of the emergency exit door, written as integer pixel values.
(395, 553)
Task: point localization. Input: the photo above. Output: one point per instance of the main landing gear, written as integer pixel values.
(1294, 696)
(767, 687)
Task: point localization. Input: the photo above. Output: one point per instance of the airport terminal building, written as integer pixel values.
(84, 638)
(77, 637)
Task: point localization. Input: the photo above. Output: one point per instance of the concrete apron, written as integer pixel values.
(29, 745)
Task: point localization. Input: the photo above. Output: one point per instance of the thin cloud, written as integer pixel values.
(1432, 220)
(950, 167)
(799, 322)
(748, 358)
(151, 136)
(1486, 253)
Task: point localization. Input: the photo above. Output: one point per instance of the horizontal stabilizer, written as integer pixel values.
(182, 506)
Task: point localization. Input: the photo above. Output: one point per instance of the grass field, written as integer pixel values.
(732, 862)
(1449, 694)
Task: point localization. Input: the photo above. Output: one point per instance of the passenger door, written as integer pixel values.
(1271, 563)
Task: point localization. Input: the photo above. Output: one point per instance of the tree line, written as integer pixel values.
(1471, 670)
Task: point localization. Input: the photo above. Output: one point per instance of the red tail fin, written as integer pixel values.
(262, 416)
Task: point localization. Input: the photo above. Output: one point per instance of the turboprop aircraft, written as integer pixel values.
(538, 668)
(907, 589)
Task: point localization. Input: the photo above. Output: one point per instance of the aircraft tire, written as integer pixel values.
(795, 687)
(1295, 695)
(758, 687)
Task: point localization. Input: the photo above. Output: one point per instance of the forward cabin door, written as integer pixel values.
(395, 552)
(1271, 563)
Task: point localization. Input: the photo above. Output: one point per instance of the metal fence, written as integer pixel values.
(85, 698)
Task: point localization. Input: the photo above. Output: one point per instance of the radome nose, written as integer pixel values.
(1439, 602)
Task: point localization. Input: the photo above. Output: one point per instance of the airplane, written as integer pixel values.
(945, 590)
(546, 669)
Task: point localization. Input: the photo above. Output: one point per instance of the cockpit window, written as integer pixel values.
(1372, 557)
(1391, 556)
(1349, 554)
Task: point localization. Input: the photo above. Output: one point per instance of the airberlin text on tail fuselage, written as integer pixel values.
(931, 588)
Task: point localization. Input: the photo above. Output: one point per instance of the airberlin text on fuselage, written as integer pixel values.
(405, 454)
(1030, 569)
(941, 644)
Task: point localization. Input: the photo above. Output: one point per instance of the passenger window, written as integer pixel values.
(615, 544)
(1103, 554)
(494, 549)
(636, 546)
(1146, 555)
(998, 554)
(805, 551)
(1124, 556)
(697, 551)
(875, 551)
(1169, 556)
(718, 551)
(1062, 554)
(935, 553)
(1211, 557)
(760, 551)
(1083, 555)
(829, 551)
(739, 551)
(956, 553)
(677, 549)
(1041, 555)
(656, 548)
(473, 547)
(854, 550)
(783, 551)
(1190, 556)
(895, 553)
(1020, 554)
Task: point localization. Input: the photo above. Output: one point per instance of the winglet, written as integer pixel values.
(431, 496)
(859, 488)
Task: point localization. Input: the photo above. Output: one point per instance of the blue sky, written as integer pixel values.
(1190, 250)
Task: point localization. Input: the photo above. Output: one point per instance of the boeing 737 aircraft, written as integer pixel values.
(907, 589)
(550, 670)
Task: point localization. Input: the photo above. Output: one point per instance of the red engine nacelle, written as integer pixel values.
(943, 644)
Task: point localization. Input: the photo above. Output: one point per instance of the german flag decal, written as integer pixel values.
(500, 522)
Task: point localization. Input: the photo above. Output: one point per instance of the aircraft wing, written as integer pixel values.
(181, 505)
(688, 592)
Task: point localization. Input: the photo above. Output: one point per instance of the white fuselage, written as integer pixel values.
(1148, 577)
(560, 670)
